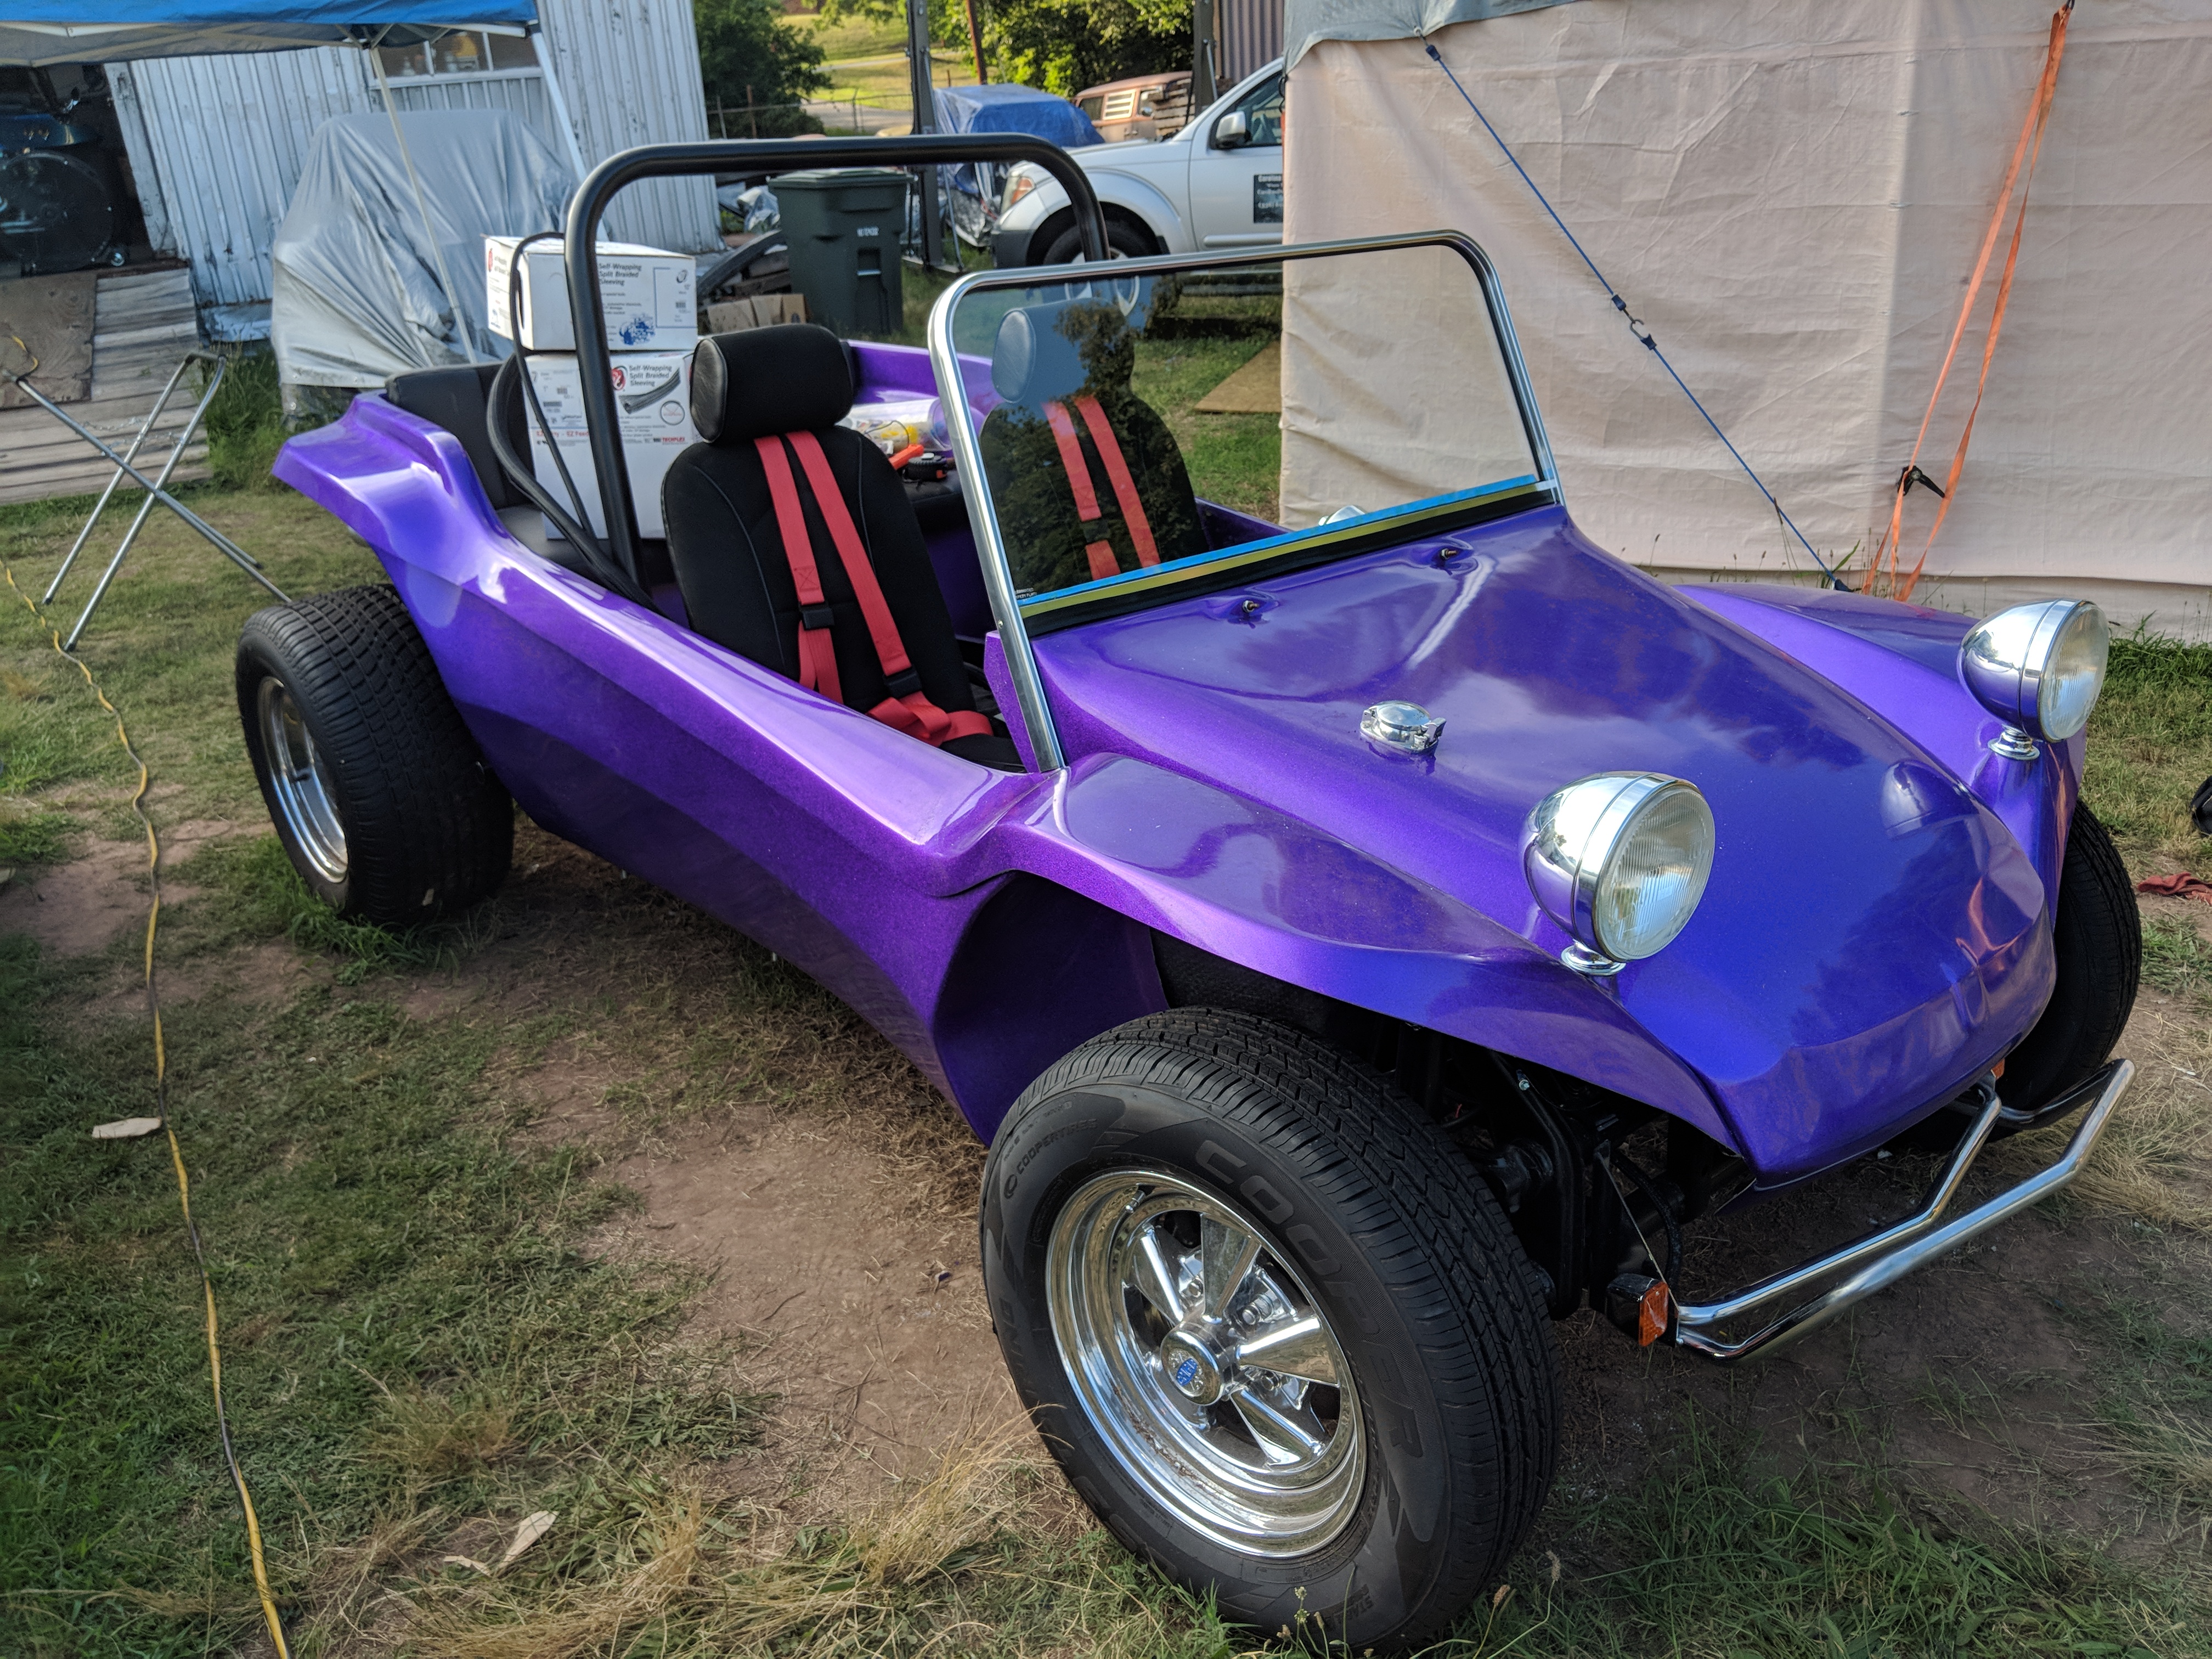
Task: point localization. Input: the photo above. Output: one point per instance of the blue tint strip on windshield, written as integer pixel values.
(1289, 537)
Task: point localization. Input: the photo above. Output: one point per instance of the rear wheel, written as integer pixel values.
(1271, 1323)
(2097, 936)
(377, 790)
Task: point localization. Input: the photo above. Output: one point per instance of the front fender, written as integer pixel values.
(1901, 661)
(1258, 888)
(1131, 192)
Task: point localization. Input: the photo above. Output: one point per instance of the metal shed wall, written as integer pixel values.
(1251, 37)
(216, 143)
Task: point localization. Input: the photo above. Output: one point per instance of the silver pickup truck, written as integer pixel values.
(1218, 183)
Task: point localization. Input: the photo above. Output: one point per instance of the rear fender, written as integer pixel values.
(1270, 893)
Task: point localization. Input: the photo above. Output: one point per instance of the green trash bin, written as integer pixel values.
(842, 226)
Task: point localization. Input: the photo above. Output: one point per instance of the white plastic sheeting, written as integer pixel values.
(357, 291)
(1792, 196)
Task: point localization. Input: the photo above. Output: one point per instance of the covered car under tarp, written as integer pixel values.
(973, 191)
(356, 296)
(1793, 196)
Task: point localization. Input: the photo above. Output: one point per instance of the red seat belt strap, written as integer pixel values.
(817, 655)
(1117, 474)
(906, 709)
(1098, 550)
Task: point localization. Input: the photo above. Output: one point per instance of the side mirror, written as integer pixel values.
(1232, 131)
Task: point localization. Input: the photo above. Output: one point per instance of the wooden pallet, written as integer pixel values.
(143, 324)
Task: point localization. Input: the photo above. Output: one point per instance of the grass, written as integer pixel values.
(2149, 748)
(425, 1340)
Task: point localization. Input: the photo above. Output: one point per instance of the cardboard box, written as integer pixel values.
(647, 293)
(761, 310)
(652, 395)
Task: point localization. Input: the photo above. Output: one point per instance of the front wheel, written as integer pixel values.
(1123, 241)
(2097, 938)
(1273, 1325)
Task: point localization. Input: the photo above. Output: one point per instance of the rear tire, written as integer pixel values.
(378, 791)
(2097, 936)
(1418, 1417)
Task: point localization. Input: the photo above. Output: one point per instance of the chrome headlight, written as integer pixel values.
(1619, 861)
(2037, 667)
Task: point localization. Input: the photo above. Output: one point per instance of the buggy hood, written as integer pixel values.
(1873, 934)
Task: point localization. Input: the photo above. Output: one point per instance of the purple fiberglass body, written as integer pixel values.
(1362, 935)
(1876, 931)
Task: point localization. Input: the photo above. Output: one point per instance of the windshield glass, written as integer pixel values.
(1147, 437)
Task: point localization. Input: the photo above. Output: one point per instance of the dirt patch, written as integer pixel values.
(866, 1309)
(75, 908)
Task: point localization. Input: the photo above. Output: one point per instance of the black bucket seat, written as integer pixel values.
(766, 402)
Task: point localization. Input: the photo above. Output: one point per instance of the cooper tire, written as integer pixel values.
(2097, 937)
(376, 788)
(1372, 1225)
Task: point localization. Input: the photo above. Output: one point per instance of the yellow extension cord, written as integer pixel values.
(161, 1105)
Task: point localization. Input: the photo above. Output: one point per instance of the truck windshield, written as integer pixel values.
(1150, 436)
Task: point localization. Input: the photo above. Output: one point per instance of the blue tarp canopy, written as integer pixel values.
(1010, 108)
(1004, 109)
(104, 31)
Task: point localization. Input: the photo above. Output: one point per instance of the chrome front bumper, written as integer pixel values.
(1886, 1255)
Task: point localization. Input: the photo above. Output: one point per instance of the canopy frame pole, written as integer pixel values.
(422, 206)
(543, 48)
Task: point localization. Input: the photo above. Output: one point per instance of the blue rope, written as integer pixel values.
(1636, 324)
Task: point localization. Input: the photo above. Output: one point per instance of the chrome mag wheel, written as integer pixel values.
(1205, 1364)
(300, 781)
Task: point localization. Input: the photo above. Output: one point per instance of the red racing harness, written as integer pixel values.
(906, 709)
(1099, 551)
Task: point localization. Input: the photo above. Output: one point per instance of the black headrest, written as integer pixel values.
(1049, 351)
(794, 377)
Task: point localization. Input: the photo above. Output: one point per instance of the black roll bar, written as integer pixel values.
(589, 205)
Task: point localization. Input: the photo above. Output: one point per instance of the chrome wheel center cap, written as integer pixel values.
(1194, 1365)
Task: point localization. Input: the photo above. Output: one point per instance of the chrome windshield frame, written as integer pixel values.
(990, 547)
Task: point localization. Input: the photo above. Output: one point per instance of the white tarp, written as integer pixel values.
(1792, 196)
(356, 296)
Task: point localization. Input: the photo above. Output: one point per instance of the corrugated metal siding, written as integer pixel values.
(226, 137)
(1251, 36)
(216, 144)
(630, 70)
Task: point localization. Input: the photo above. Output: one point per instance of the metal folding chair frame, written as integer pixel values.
(156, 489)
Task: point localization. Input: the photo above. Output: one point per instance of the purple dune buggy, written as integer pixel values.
(1362, 942)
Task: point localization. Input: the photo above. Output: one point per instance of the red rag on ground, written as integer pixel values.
(2181, 886)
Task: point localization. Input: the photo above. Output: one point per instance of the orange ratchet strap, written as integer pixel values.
(906, 709)
(2028, 151)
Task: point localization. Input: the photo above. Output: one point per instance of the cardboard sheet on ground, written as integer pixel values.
(53, 316)
(356, 295)
(1792, 196)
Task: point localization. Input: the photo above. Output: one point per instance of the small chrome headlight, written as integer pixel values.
(1619, 861)
(2037, 667)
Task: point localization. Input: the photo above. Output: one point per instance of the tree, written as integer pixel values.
(747, 56)
(1062, 45)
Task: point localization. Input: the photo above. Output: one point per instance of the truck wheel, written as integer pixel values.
(1271, 1323)
(1123, 241)
(2098, 937)
(378, 791)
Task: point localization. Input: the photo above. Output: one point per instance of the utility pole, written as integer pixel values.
(1203, 86)
(976, 41)
(920, 83)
